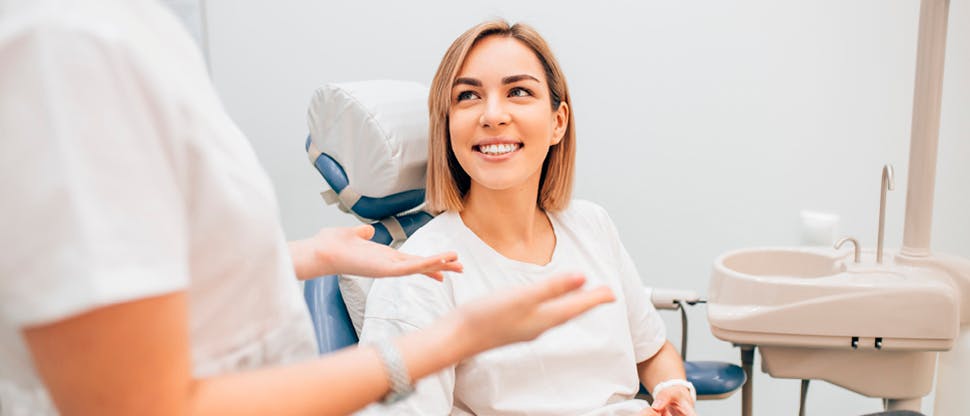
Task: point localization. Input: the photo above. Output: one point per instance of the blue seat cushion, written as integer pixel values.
(712, 378)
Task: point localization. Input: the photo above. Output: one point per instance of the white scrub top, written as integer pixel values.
(585, 366)
(122, 177)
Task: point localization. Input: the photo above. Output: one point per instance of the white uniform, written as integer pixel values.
(585, 366)
(122, 177)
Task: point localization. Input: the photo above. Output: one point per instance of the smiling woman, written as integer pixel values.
(500, 173)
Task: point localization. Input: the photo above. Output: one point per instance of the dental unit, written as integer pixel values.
(881, 323)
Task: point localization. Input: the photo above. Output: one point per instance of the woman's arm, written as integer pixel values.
(349, 250)
(665, 365)
(648, 330)
(133, 358)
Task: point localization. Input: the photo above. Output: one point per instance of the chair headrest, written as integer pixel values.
(369, 142)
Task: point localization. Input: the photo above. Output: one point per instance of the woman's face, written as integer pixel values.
(501, 121)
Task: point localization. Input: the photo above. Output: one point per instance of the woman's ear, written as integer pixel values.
(560, 121)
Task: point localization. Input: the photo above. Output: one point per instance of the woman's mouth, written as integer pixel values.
(497, 149)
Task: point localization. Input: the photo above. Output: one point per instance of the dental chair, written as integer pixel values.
(369, 142)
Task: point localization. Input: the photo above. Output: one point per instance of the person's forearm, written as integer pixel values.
(338, 383)
(136, 356)
(664, 365)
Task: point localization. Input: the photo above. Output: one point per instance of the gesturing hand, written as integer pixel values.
(674, 401)
(525, 313)
(349, 250)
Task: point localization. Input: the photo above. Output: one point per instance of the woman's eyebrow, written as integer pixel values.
(506, 80)
(516, 78)
(468, 81)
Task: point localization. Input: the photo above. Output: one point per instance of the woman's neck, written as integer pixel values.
(510, 222)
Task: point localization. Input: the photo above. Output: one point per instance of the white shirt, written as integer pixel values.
(587, 365)
(122, 177)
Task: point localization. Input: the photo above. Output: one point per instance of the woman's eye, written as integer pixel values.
(466, 95)
(519, 92)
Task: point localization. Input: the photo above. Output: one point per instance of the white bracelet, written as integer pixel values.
(674, 382)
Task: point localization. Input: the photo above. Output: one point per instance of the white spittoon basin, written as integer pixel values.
(816, 314)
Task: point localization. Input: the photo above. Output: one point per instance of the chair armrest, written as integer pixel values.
(664, 298)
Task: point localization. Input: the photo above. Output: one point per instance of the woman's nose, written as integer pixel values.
(494, 114)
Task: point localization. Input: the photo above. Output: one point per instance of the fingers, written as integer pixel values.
(569, 306)
(433, 266)
(683, 408)
(446, 262)
(673, 404)
(553, 287)
(364, 231)
(660, 403)
(435, 275)
(678, 410)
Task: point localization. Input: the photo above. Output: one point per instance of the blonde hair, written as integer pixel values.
(447, 182)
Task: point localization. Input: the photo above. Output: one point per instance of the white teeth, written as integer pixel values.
(498, 149)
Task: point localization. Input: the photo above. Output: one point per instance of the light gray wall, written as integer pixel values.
(703, 126)
(192, 15)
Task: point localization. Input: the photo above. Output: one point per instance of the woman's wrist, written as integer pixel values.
(461, 341)
(309, 260)
(436, 347)
(676, 383)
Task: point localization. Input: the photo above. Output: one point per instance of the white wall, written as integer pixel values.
(703, 126)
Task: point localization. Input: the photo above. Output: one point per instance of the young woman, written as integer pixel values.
(500, 171)
(143, 269)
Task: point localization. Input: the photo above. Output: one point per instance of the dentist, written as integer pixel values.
(143, 269)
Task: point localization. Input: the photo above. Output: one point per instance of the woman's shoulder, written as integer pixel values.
(584, 207)
(438, 235)
(415, 300)
(583, 212)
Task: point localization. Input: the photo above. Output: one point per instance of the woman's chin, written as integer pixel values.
(494, 184)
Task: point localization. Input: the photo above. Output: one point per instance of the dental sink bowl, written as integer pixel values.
(814, 313)
(782, 262)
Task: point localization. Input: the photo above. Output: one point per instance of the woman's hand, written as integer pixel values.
(523, 314)
(349, 250)
(673, 401)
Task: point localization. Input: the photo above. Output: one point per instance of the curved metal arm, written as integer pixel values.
(855, 243)
(887, 185)
(673, 299)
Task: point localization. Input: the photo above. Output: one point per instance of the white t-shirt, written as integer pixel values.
(586, 366)
(122, 177)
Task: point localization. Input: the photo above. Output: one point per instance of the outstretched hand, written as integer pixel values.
(348, 250)
(527, 312)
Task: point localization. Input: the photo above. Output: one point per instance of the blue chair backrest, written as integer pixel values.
(331, 323)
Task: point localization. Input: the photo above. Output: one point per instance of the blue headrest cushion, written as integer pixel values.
(366, 206)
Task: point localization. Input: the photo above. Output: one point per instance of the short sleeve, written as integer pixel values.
(92, 209)
(646, 326)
